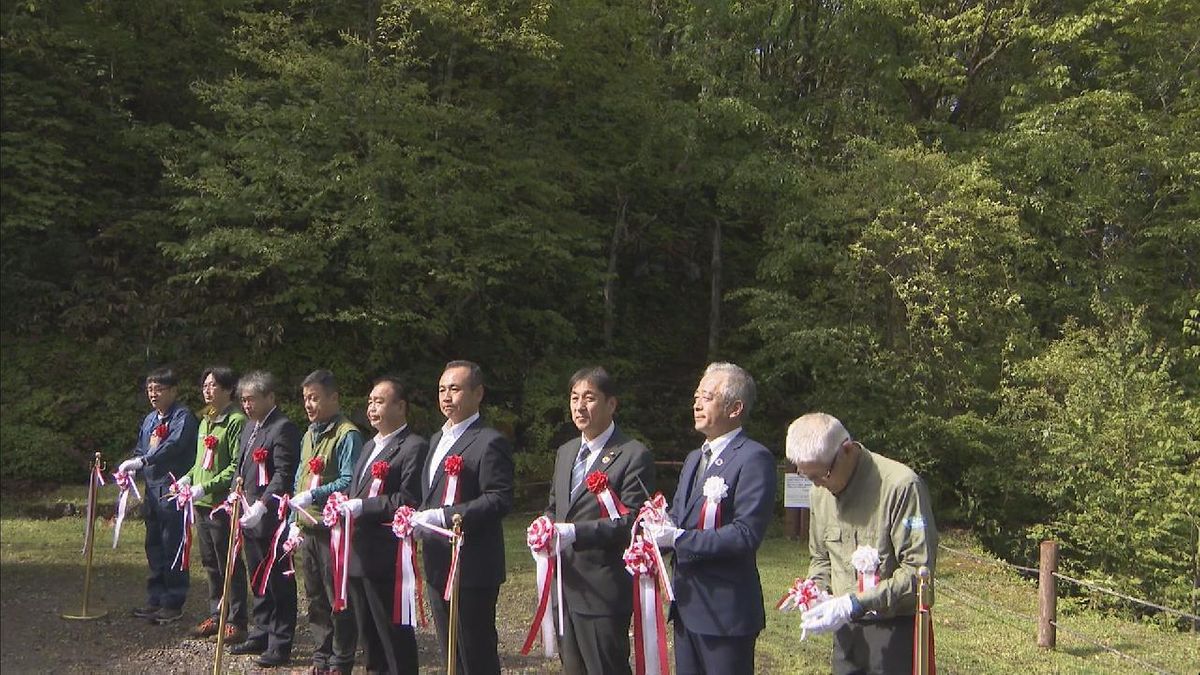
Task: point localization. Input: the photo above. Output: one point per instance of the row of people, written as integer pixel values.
(718, 610)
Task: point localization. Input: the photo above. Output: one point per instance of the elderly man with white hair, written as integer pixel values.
(871, 530)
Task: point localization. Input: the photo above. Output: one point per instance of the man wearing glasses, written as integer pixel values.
(872, 529)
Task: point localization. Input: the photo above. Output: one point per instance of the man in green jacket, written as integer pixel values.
(328, 453)
(209, 481)
(872, 529)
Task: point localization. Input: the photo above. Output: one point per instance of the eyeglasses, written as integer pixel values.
(829, 472)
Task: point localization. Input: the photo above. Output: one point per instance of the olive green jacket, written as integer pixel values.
(225, 426)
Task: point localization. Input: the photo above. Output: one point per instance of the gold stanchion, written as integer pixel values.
(230, 560)
(921, 633)
(452, 628)
(89, 540)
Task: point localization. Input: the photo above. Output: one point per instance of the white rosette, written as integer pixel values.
(865, 560)
(714, 491)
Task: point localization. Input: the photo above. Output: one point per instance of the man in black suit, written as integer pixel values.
(272, 442)
(597, 592)
(387, 647)
(718, 610)
(483, 497)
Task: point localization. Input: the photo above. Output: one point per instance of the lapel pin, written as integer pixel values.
(718, 462)
(605, 460)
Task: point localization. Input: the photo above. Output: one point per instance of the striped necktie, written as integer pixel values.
(580, 467)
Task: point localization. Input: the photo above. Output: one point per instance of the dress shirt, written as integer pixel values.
(450, 436)
(380, 443)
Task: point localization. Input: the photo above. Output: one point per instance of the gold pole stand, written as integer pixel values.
(452, 628)
(230, 561)
(89, 541)
(921, 638)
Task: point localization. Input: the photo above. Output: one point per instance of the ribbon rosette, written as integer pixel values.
(316, 466)
(453, 467)
(610, 506)
(865, 559)
(803, 595)
(541, 538)
(126, 484)
(210, 452)
(379, 472)
(652, 514)
(408, 604)
(260, 458)
(642, 560)
(159, 434)
(714, 490)
(339, 546)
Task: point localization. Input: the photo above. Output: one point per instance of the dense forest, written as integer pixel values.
(971, 230)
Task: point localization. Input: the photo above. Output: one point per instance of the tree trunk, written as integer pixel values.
(714, 310)
(610, 277)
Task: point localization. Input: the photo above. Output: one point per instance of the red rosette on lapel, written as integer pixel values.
(260, 458)
(316, 465)
(453, 467)
(610, 506)
(159, 435)
(379, 472)
(210, 452)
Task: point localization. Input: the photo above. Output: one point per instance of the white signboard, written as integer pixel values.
(795, 491)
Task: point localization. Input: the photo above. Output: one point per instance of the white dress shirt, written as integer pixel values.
(380, 443)
(596, 445)
(718, 444)
(450, 436)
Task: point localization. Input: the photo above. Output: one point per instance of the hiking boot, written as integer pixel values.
(166, 616)
(206, 628)
(234, 634)
(145, 612)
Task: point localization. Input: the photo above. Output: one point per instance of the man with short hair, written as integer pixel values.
(398, 454)
(718, 610)
(597, 593)
(166, 441)
(483, 496)
(270, 450)
(328, 453)
(872, 529)
(209, 482)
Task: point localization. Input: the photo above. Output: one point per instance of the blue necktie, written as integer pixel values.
(579, 468)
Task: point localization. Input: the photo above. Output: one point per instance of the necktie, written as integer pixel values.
(698, 479)
(579, 468)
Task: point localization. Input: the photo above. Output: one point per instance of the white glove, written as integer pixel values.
(183, 483)
(430, 517)
(302, 500)
(293, 531)
(253, 515)
(351, 507)
(827, 616)
(664, 535)
(132, 465)
(197, 492)
(566, 534)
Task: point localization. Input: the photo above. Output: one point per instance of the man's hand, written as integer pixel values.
(351, 508)
(131, 465)
(566, 535)
(430, 517)
(302, 500)
(664, 535)
(827, 616)
(253, 515)
(197, 492)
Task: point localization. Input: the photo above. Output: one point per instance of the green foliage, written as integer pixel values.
(39, 454)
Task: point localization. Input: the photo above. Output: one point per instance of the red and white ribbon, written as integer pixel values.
(610, 506)
(227, 507)
(95, 482)
(649, 623)
(260, 458)
(341, 525)
(803, 595)
(127, 484)
(379, 472)
(453, 467)
(210, 452)
(408, 603)
(865, 560)
(262, 573)
(654, 512)
(715, 490)
(316, 466)
(542, 538)
(455, 552)
(183, 503)
(290, 545)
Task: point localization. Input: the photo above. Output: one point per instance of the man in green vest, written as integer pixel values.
(328, 453)
(209, 481)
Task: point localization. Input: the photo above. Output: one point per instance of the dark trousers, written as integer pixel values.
(274, 612)
(212, 536)
(334, 632)
(595, 645)
(387, 647)
(165, 587)
(697, 654)
(477, 641)
(874, 647)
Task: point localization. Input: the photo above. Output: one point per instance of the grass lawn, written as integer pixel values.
(983, 617)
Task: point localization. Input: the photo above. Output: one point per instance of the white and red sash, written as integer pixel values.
(210, 452)
(541, 536)
(260, 458)
(649, 624)
(408, 603)
(341, 527)
(183, 503)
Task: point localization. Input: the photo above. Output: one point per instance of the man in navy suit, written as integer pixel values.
(718, 610)
(483, 496)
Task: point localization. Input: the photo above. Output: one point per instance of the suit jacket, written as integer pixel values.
(485, 495)
(594, 578)
(374, 545)
(717, 589)
(281, 438)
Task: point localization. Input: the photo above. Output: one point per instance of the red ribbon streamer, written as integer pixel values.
(408, 602)
(339, 547)
(641, 562)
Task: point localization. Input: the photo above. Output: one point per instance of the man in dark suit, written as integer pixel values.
(387, 647)
(718, 611)
(272, 442)
(597, 591)
(483, 497)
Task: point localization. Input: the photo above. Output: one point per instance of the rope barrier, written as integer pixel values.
(992, 561)
(943, 586)
(1086, 638)
(1095, 587)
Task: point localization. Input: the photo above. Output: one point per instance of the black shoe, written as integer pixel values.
(249, 647)
(166, 616)
(272, 658)
(146, 612)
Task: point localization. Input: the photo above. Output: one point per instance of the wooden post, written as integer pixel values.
(1047, 595)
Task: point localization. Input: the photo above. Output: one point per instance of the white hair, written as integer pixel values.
(815, 438)
(739, 386)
